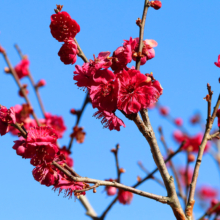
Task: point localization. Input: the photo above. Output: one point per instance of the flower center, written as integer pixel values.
(106, 90)
(130, 88)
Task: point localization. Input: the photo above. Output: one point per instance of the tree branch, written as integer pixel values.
(158, 198)
(87, 99)
(115, 152)
(172, 165)
(19, 127)
(32, 82)
(210, 120)
(146, 129)
(156, 169)
(20, 86)
(141, 33)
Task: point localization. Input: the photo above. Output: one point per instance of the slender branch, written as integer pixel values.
(108, 208)
(79, 115)
(146, 129)
(147, 172)
(156, 169)
(89, 209)
(32, 82)
(87, 99)
(209, 211)
(71, 170)
(115, 151)
(186, 176)
(209, 100)
(210, 120)
(87, 189)
(172, 165)
(158, 198)
(19, 127)
(80, 53)
(215, 135)
(141, 33)
(20, 86)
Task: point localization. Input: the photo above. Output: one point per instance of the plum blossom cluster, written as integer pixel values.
(122, 88)
(64, 29)
(191, 143)
(22, 115)
(40, 146)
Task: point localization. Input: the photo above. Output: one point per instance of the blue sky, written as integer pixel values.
(188, 44)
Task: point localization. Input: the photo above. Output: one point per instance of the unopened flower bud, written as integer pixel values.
(178, 121)
(74, 112)
(2, 49)
(24, 89)
(191, 158)
(138, 178)
(113, 150)
(58, 9)
(207, 98)
(156, 4)
(7, 70)
(94, 190)
(138, 22)
(41, 83)
(121, 170)
(189, 148)
(164, 111)
(171, 151)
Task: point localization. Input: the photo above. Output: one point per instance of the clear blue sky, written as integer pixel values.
(188, 44)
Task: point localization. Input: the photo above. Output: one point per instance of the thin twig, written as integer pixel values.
(141, 33)
(19, 127)
(87, 189)
(20, 86)
(215, 135)
(171, 164)
(209, 211)
(115, 152)
(158, 198)
(147, 131)
(209, 124)
(156, 169)
(147, 172)
(32, 82)
(108, 208)
(87, 99)
(186, 176)
(79, 115)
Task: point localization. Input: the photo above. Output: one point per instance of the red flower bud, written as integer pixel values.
(178, 121)
(24, 89)
(2, 49)
(41, 83)
(156, 4)
(164, 111)
(191, 158)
